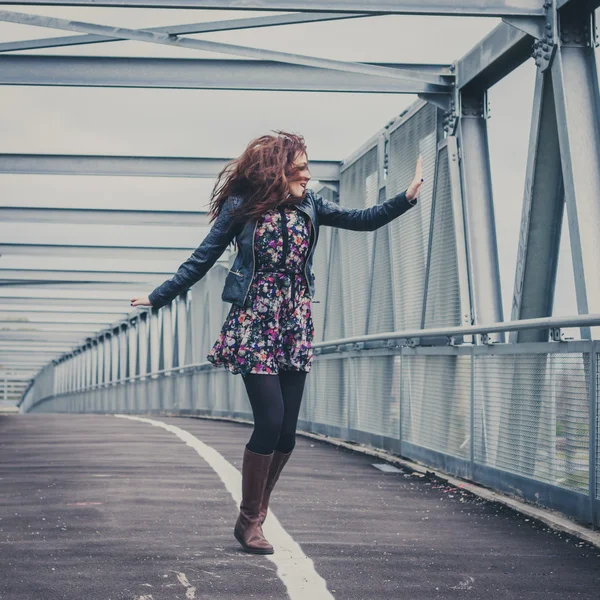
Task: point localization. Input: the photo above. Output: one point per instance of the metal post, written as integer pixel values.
(123, 357)
(575, 80)
(100, 357)
(167, 336)
(472, 415)
(154, 339)
(94, 362)
(181, 323)
(480, 224)
(107, 357)
(114, 347)
(132, 343)
(143, 345)
(79, 367)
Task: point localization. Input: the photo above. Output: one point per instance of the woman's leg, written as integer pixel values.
(267, 406)
(292, 388)
(265, 394)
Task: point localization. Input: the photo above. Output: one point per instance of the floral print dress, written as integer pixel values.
(275, 331)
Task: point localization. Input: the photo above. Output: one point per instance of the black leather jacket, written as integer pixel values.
(319, 211)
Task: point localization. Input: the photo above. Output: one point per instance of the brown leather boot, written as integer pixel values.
(277, 464)
(248, 531)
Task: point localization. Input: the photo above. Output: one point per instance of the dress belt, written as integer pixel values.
(285, 272)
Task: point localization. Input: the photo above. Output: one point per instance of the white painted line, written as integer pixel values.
(294, 568)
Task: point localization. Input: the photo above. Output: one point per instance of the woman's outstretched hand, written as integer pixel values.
(417, 182)
(140, 301)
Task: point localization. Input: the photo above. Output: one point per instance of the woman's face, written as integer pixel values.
(301, 176)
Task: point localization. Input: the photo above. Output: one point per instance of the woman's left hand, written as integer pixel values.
(417, 182)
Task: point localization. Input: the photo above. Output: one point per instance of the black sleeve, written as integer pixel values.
(202, 259)
(367, 219)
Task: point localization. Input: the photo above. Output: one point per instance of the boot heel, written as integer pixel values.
(248, 549)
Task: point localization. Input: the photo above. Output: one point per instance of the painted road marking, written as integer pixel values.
(294, 568)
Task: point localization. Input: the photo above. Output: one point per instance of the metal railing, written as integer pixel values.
(520, 418)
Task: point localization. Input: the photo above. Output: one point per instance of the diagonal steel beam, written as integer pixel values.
(153, 37)
(210, 74)
(541, 220)
(481, 8)
(211, 27)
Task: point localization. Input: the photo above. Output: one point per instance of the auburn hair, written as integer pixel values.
(260, 176)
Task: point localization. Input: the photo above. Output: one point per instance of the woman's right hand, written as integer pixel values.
(140, 301)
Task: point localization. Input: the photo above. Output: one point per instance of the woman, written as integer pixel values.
(260, 201)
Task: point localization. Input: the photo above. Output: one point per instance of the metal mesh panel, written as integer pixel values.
(326, 399)
(436, 403)
(381, 305)
(443, 293)
(376, 405)
(358, 189)
(320, 269)
(597, 425)
(532, 417)
(334, 307)
(410, 233)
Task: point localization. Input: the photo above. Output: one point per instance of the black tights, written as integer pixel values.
(275, 401)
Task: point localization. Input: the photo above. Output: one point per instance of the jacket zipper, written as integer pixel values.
(253, 264)
(310, 245)
(284, 233)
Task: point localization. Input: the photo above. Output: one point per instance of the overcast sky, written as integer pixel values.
(220, 123)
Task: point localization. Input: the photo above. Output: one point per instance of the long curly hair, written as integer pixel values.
(260, 176)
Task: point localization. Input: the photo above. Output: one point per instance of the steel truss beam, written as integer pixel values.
(210, 27)
(541, 220)
(49, 317)
(20, 350)
(64, 306)
(58, 250)
(499, 53)
(481, 8)
(66, 336)
(112, 280)
(100, 216)
(135, 166)
(26, 367)
(577, 101)
(27, 264)
(48, 327)
(207, 74)
(63, 294)
(151, 37)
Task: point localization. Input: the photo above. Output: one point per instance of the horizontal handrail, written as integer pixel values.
(538, 323)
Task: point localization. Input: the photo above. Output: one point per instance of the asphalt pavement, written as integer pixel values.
(96, 507)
